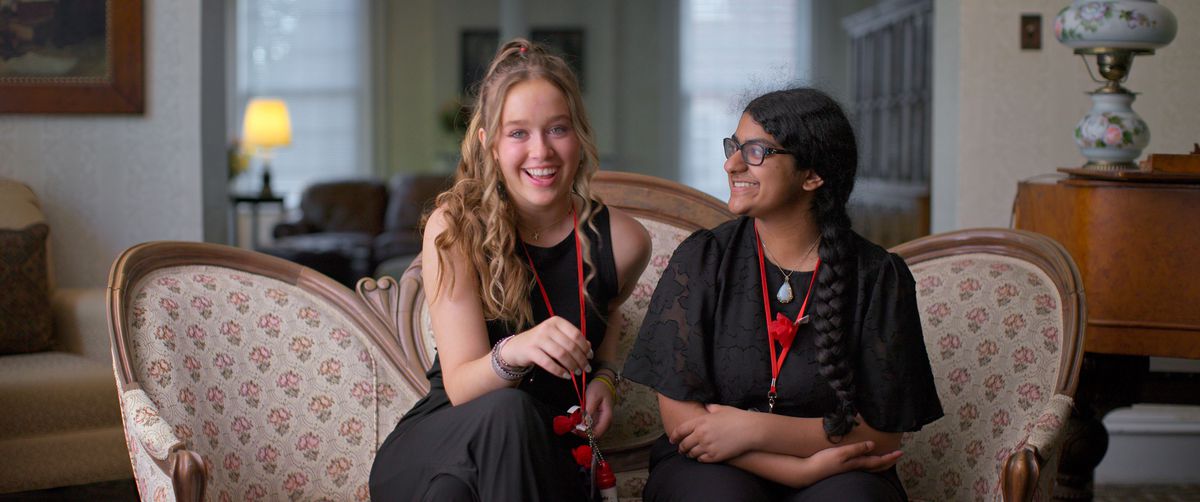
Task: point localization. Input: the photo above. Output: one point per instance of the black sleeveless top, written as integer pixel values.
(557, 269)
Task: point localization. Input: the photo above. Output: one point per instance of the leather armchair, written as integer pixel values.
(411, 196)
(346, 228)
(338, 222)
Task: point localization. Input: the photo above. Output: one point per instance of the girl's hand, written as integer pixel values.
(555, 345)
(849, 457)
(724, 433)
(600, 402)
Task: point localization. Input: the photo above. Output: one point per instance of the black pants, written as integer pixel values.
(674, 477)
(499, 446)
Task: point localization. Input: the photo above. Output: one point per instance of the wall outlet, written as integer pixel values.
(1031, 32)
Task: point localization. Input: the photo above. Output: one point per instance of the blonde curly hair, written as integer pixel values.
(481, 223)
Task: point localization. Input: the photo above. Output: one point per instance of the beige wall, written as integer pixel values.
(108, 182)
(1012, 111)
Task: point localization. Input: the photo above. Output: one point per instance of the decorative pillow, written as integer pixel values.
(25, 317)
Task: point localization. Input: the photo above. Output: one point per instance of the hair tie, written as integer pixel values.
(523, 49)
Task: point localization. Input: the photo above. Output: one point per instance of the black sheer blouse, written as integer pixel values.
(704, 336)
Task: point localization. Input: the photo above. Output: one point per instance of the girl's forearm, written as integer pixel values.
(803, 437)
(783, 469)
(472, 379)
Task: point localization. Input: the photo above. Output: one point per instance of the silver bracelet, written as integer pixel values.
(606, 366)
(504, 370)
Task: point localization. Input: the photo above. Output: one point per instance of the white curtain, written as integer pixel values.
(730, 52)
(313, 54)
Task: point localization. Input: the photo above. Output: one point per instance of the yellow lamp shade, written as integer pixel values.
(266, 124)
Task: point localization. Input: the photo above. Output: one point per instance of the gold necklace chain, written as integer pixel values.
(537, 234)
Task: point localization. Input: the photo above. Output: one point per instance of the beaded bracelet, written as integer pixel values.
(504, 370)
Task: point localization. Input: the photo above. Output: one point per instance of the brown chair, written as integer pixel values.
(670, 212)
(335, 233)
(348, 228)
(410, 195)
(1002, 313)
(244, 376)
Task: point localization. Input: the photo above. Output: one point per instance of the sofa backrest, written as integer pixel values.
(1001, 311)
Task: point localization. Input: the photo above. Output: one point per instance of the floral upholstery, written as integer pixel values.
(631, 483)
(154, 434)
(274, 388)
(638, 422)
(994, 333)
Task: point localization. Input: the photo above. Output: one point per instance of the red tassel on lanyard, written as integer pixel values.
(584, 455)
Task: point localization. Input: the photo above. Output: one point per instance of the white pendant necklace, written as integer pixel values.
(785, 294)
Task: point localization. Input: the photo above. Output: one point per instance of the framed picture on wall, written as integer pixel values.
(566, 42)
(81, 56)
(478, 47)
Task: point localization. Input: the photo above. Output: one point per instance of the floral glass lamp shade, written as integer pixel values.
(1111, 136)
(265, 126)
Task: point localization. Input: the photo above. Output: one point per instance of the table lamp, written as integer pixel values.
(266, 126)
(1111, 136)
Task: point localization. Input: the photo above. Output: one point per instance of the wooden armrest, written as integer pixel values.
(157, 438)
(1021, 473)
(1022, 470)
(188, 475)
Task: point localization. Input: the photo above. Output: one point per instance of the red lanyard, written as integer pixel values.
(781, 329)
(581, 384)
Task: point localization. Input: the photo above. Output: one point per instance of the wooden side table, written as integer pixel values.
(1135, 243)
(254, 201)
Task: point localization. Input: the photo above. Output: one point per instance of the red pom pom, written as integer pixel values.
(563, 425)
(583, 455)
(782, 330)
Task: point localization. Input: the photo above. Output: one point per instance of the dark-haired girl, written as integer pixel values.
(786, 349)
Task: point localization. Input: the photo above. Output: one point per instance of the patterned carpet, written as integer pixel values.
(125, 491)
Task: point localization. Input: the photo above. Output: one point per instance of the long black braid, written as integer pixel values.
(811, 124)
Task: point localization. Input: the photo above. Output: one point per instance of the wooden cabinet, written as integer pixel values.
(1137, 246)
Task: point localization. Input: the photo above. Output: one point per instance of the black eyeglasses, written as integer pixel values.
(753, 153)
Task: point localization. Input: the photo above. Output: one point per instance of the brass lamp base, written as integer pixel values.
(1110, 166)
(266, 192)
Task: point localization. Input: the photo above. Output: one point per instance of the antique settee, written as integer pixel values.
(245, 376)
